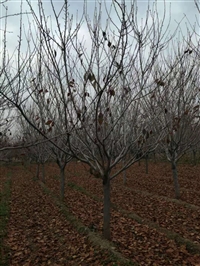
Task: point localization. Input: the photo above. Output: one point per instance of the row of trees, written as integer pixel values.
(105, 99)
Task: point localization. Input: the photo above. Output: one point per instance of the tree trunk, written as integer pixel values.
(124, 173)
(43, 173)
(62, 183)
(194, 157)
(38, 170)
(175, 178)
(106, 208)
(147, 163)
(124, 177)
(154, 156)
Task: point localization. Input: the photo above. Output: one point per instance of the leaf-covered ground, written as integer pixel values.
(39, 234)
(143, 197)
(148, 225)
(5, 184)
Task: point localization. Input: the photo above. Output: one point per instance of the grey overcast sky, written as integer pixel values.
(178, 10)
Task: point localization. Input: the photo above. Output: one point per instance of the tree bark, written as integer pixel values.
(124, 173)
(62, 183)
(194, 156)
(38, 170)
(124, 177)
(147, 163)
(154, 156)
(175, 179)
(43, 173)
(106, 208)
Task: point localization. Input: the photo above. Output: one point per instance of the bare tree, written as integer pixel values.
(5, 128)
(177, 103)
(96, 83)
(35, 147)
(62, 159)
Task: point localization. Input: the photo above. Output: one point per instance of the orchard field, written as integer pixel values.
(88, 91)
(148, 226)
